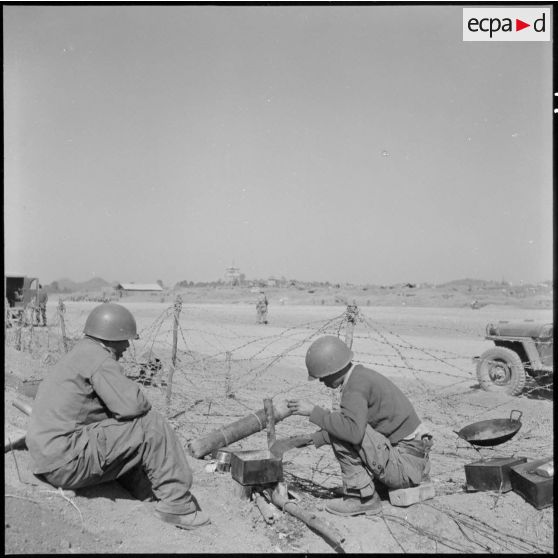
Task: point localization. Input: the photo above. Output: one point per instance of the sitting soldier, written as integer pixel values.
(91, 424)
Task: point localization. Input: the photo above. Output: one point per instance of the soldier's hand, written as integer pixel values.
(300, 406)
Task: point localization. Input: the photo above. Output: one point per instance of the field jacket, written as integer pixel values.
(87, 386)
(368, 399)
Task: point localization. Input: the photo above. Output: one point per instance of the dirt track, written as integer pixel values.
(426, 351)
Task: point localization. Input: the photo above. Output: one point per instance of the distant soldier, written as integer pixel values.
(40, 306)
(261, 309)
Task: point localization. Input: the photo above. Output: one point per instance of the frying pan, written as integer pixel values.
(491, 432)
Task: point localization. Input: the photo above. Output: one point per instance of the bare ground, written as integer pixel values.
(226, 365)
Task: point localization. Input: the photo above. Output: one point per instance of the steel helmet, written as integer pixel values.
(111, 322)
(327, 355)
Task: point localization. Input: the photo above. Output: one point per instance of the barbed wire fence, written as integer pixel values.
(204, 377)
(226, 368)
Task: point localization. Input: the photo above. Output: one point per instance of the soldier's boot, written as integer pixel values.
(355, 505)
(184, 521)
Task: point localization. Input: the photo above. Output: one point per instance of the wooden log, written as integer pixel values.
(270, 422)
(18, 443)
(282, 490)
(246, 426)
(309, 518)
(23, 407)
(267, 510)
(241, 491)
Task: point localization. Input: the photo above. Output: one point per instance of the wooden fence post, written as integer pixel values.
(351, 314)
(177, 309)
(61, 309)
(270, 422)
(30, 341)
(7, 317)
(19, 327)
(228, 391)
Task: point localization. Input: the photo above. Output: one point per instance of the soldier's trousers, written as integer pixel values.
(40, 313)
(376, 458)
(121, 449)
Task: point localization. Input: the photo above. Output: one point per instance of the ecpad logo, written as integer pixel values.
(506, 24)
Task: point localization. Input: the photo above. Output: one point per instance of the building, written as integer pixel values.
(138, 288)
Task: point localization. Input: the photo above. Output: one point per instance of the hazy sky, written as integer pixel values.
(366, 144)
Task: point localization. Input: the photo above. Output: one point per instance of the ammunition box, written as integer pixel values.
(537, 490)
(256, 467)
(491, 474)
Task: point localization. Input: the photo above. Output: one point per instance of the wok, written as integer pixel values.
(491, 432)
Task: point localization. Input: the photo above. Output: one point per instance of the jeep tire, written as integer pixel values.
(501, 369)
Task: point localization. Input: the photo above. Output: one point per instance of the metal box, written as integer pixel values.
(491, 474)
(537, 490)
(254, 467)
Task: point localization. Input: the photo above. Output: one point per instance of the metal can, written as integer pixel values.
(223, 459)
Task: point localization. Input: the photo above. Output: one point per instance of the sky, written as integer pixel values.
(363, 144)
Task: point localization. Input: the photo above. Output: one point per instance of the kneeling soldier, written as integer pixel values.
(376, 434)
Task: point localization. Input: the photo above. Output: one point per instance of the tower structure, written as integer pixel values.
(232, 275)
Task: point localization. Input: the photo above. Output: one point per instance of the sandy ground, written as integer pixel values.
(226, 364)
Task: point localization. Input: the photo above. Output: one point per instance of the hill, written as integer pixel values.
(68, 286)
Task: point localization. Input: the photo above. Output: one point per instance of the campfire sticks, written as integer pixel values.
(279, 497)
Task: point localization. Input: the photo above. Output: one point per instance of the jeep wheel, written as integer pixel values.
(501, 369)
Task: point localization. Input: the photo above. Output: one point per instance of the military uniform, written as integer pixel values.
(376, 434)
(91, 424)
(261, 310)
(40, 307)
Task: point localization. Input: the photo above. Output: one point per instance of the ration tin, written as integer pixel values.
(254, 467)
(537, 490)
(491, 474)
(223, 458)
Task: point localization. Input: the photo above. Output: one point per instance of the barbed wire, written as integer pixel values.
(246, 370)
(209, 360)
(261, 359)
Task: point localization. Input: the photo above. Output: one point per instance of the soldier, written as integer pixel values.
(261, 308)
(375, 436)
(40, 306)
(91, 424)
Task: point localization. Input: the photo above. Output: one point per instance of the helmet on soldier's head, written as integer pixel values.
(111, 322)
(327, 355)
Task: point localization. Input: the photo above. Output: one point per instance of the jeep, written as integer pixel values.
(522, 348)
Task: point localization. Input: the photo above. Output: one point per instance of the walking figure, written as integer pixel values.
(40, 306)
(261, 309)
